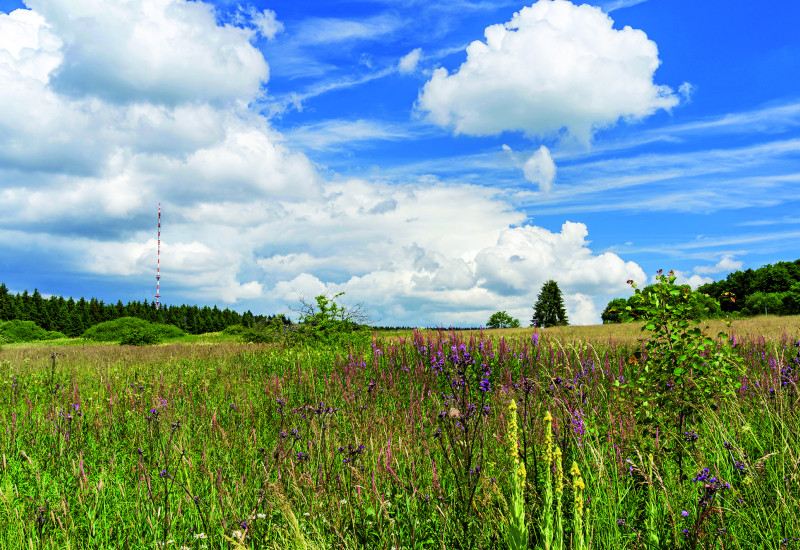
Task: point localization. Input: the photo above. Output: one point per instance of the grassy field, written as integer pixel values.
(403, 443)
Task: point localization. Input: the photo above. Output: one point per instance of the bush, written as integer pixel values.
(234, 330)
(142, 336)
(130, 327)
(26, 331)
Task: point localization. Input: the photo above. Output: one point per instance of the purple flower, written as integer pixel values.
(684, 513)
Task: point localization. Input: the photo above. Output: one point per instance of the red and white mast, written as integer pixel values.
(158, 261)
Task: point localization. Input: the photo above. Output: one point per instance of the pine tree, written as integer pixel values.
(549, 310)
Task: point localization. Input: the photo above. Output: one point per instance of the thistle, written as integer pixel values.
(547, 515)
(518, 539)
(578, 487)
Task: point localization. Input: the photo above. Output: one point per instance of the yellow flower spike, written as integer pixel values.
(548, 438)
(518, 531)
(574, 471)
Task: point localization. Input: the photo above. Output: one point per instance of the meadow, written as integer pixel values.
(404, 441)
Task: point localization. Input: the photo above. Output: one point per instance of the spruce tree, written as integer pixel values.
(549, 310)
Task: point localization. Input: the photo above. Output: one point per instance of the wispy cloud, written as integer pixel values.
(332, 135)
(612, 5)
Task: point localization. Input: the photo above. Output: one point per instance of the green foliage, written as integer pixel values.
(141, 336)
(773, 283)
(549, 310)
(685, 370)
(700, 306)
(615, 312)
(26, 331)
(330, 323)
(131, 329)
(234, 330)
(501, 319)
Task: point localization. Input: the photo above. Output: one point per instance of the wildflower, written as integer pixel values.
(343, 501)
(202, 536)
(684, 513)
(237, 534)
(548, 438)
(261, 516)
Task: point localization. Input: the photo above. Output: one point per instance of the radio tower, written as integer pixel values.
(158, 261)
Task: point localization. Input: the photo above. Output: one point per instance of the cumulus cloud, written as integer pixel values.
(527, 256)
(683, 278)
(555, 66)
(408, 63)
(726, 263)
(540, 169)
(164, 51)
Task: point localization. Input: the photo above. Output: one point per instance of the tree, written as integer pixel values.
(549, 309)
(501, 319)
(327, 321)
(615, 311)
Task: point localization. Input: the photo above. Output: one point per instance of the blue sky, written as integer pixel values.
(436, 161)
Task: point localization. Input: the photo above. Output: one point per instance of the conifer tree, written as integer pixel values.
(549, 310)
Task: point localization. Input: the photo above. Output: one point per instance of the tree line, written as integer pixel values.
(72, 317)
(772, 289)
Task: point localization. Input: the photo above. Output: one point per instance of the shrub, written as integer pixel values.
(130, 327)
(26, 331)
(234, 330)
(140, 336)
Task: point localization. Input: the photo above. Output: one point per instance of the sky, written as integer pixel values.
(435, 161)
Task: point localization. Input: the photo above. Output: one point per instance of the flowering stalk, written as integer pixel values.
(547, 515)
(652, 506)
(577, 518)
(559, 527)
(518, 537)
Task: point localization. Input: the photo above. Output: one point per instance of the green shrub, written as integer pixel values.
(26, 331)
(234, 330)
(128, 327)
(141, 336)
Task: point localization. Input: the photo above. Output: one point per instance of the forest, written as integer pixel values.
(72, 317)
(773, 289)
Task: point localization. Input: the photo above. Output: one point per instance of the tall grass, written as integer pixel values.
(232, 446)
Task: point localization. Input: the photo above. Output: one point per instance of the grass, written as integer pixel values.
(207, 441)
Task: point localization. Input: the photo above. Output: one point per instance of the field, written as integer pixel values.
(402, 443)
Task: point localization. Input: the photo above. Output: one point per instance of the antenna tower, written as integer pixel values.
(158, 261)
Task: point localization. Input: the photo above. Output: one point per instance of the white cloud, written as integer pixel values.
(682, 278)
(158, 51)
(527, 256)
(725, 264)
(554, 66)
(265, 22)
(540, 169)
(408, 63)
